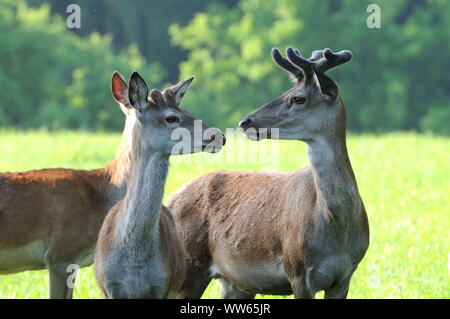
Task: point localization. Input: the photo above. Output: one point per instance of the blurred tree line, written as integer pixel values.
(397, 80)
(59, 78)
(52, 78)
(141, 22)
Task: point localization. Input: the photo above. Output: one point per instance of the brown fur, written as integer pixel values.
(252, 216)
(54, 205)
(50, 218)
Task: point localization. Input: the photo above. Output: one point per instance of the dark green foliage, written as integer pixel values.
(141, 22)
(398, 72)
(437, 120)
(58, 78)
(52, 78)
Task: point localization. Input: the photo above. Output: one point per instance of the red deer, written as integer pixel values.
(280, 233)
(50, 219)
(139, 254)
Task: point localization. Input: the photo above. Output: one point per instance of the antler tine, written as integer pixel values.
(331, 60)
(298, 53)
(284, 63)
(320, 61)
(316, 55)
(296, 58)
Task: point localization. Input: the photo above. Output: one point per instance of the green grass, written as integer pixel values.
(404, 180)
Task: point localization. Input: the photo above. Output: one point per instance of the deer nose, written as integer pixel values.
(245, 123)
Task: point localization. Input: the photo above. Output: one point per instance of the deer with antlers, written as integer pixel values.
(139, 254)
(280, 233)
(50, 219)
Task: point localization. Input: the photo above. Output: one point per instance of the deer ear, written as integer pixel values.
(328, 87)
(138, 92)
(119, 89)
(180, 89)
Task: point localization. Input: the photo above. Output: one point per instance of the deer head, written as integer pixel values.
(311, 108)
(157, 121)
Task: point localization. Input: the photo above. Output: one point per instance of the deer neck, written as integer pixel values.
(334, 180)
(118, 171)
(139, 222)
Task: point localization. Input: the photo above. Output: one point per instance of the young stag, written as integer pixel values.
(280, 233)
(51, 218)
(139, 254)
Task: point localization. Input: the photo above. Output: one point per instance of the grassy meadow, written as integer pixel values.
(404, 179)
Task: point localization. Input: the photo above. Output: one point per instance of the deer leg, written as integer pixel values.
(301, 288)
(339, 291)
(230, 291)
(58, 279)
(195, 284)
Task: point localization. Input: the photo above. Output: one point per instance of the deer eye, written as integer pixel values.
(172, 119)
(298, 100)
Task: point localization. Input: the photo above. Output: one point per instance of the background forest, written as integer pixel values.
(58, 78)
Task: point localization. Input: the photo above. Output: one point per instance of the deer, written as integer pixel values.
(280, 233)
(139, 254)
(50, 219)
